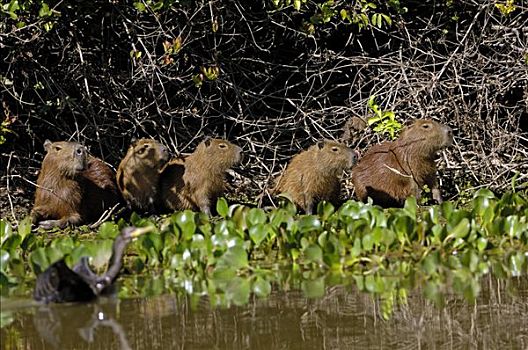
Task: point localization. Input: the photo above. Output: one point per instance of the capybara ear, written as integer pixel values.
(320, 144)
(133, 140)
(207, 141)
(47, 145)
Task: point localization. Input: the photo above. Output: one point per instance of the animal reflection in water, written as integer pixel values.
(66, 326)
(60, 284)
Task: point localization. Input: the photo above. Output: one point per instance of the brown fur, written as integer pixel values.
(138, 174)
(196, 182)
(392, 171)
(73, 187)
(100, 189)
(315, 174)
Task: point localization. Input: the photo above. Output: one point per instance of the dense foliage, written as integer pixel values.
(271, 75)
(388, 253)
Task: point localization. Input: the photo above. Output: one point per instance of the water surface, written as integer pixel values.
(343, 318)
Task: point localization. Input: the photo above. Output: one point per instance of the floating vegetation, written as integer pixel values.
(245, 250)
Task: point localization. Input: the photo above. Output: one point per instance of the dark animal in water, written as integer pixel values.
(60, 284)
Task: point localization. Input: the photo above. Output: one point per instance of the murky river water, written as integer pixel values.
(343, 319)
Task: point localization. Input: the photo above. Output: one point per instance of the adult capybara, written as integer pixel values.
(138, 174)
(315, 174)
(196, 182)
(392, 171)
(73, 187)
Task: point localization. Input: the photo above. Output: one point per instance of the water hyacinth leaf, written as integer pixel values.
(484, 193)
(313, 253)
(325, 210)
(461, 229)
(108, 230)
(309, 223)
(186, 222)
(410, 206)
(236, 257)
(261, 287)
(313, 288)
(512, 227)
(41, 258)
(257, 233)
(356, 249)
(101, 252)
(24, 227)
(5, 230)
(367, 242)
(238, 291)
(481, 244)
(4, 260)
(447, 209)
(256, 216)
(222, 208)
(64, 244)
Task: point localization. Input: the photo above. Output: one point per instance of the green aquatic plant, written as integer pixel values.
(385, 252)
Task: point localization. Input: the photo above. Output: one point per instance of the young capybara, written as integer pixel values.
(100, 191)
(392, 171)
(196, 182)
(315, 174)
(138, 174)
(73, 187)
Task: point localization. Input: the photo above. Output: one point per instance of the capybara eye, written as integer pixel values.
(141, 150)
(335, 149)
(425, 126)
(222, 145)
(58, 148)
(79, 151)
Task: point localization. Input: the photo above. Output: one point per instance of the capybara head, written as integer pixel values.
(333, 155)
(221, 153)
(426, 136)
(69, 158)
(147, 153)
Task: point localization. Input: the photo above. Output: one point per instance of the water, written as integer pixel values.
(343, 318)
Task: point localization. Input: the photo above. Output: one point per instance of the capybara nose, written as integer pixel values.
(355, 156)
(79, 150)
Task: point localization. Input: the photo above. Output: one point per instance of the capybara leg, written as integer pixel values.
(437, 196)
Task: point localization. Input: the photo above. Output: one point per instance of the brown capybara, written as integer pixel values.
(99, 188)
(138, 174)
(73, 187)
(315, 174)
(196, 182)
(392, 171)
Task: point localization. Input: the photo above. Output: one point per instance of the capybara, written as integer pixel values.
(392, 171)
(100, 191)
(138, 174)
(315, 174)
(196, 182)
(73, 187)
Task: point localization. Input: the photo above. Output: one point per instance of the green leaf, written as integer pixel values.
(309, 223)
(186, 222)
(44, 10)
(238, 291)
(256, 216)
(236, 257)
(24, 227)
(314, 288)
(313, 253)
(108, 230)
(139, 6)
(462, 229)
(261, 287)
(257, 233)
(222, 207)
